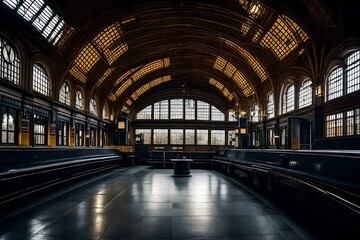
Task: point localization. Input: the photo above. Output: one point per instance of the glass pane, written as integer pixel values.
(202, 137)
(176, 136)
(160, 136)
(189, 109)
(203, 110)
(11, 138)
(4, 137)
(190, 136)
(176, 109)
(218, 137)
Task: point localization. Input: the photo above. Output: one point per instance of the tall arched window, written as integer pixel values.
(270, 108)
(64, 94)
(334, 84)
(305, 94)
(105, 114)
(255, 113)
(9, 62)
(93, 106)
(8, 129)
(41, 80)
(353, 72)
(288, 99)
(79, 103)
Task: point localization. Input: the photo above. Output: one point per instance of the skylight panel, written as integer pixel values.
(226, 92)
(11, 3)
(220, 64)
(221, 87)
(61, 34)
(84, 62)
(234, 74)
(256, 10)
(104, 76)
(153, 66)
(125, 109)
(140, 91)
(52, 27)
(283, 37)
(149, 85)
(243, 84)
(229, 70)
(245, 27)
(129, 102)
(125, 75)
(29, 8)
(257, 35)
(216, 84)
(123, 87)
(259, 70)
(111, 43)
(112, 97)
(44, 20)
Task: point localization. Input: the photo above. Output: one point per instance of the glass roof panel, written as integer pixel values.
(29, 8)
(149, 85)
(220, 86)
(125, 75)
(104, 76)
(51, 26)
(111, 43)
(123, 87)
(256, 65)
(153, 66)
(237, 76)
(12, 3)
(44, 20)
(84, 61)
(283, 37)
(125, 109)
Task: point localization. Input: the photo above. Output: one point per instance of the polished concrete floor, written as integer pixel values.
(145, 203)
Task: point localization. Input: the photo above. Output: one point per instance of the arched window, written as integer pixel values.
(255, 113)
(64, 94)
(161, 110)
(203, 110)
(270, 106)
(93, 106)
(334, 84)
(79, 103)
(305, 94)
(288, 99)
(41, 80)
(216, 114)
(144, 113)
(8, 129)
(171, 130)
(9, 62)
(353, 72)
(105, 114)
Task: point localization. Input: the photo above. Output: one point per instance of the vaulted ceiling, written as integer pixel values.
(126, 51)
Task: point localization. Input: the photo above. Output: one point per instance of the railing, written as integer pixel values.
(24, 180)
(327, 179)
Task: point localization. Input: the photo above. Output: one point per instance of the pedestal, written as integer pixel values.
(181, 167)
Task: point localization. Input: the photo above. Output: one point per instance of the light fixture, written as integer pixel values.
(318, 91)
(121, 125)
